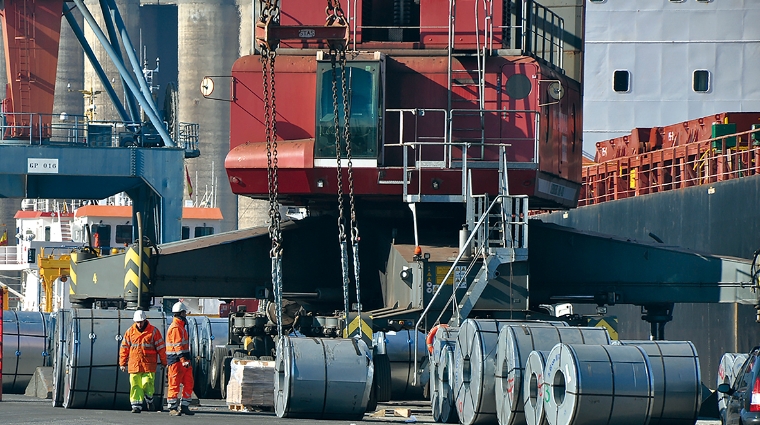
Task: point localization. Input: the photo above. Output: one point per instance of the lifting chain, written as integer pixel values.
(338, 54)
(335, 13)
(270, 12)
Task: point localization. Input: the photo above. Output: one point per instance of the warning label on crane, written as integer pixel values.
(457, 276)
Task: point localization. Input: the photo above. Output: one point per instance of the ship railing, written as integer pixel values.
(9, 255)
(698, 163)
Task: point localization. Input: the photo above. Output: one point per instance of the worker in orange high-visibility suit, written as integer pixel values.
(180, 370)
(141, 348)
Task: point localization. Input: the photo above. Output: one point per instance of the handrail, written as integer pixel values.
(451, 270)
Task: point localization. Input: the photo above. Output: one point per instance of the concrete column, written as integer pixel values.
(251, 212)
(70, 77)
(208, 36)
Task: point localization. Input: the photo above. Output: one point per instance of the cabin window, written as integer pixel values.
(597, 1)
(203, 231)
(47, 233)
(363, 81)
(123, 234)
(101, 235)
(518, 86)
(621, 81)
(701, 80)
(185, 232)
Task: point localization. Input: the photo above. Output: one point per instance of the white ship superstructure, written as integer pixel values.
(652, 62)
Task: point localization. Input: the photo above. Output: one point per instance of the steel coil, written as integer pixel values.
(516, 341)
(60, 324)
(442, 400)
(730, 365)
(93, 379)
(474, 365)
(320, 378)
(25, 348)
(677, 381)
(598, 385)
(533, 388)
(212, 332)
(399, 348)
(444, 403)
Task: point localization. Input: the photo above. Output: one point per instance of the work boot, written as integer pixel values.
(174, 409)
(149, 404)
(186, 411)
(136, 409)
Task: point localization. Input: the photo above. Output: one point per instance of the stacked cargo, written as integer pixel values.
(251, 384)
(700, 151)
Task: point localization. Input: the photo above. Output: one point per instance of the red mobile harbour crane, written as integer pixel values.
(430, 131)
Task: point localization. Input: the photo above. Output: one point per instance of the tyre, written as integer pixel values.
(382, 378)
(225, 376)
(217, 359)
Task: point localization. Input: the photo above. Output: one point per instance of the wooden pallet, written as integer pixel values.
(249, 408)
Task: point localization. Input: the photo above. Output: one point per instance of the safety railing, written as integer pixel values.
(9, 255)
(187, 138)
(454, 145)
(77, 130)
(481, 251)
(697, 163)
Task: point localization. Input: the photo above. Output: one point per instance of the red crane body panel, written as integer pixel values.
(31, 32)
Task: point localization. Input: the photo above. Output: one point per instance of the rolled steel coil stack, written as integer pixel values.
(90, 342)
(441, 364)
(212, 331)
(320, 378)
(598, 384)
(533, 388)
(730, 366)
(677, 381)
(516, 342)
(399, 347)
(25, 348)
(475, 366)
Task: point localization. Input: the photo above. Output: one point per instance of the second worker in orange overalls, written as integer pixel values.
(180, 368)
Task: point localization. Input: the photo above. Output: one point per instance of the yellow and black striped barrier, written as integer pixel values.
(608, 322)
(132, 270)
(353, 327)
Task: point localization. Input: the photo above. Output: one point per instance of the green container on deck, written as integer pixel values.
(755, 137)
(722, 130)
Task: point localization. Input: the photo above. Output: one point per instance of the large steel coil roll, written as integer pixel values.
(444, 403)
(321, 378)
(474, 365)
(598, 385)
(25, 348)
(214, 333)
(677, 381)
(516, 342)
(399, 348)
(440, 362)
(730, 364)
(533, 388)
(93, 379)
(60, 324)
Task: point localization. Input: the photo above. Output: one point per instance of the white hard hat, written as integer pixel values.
(139, 316)
(178, 306)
